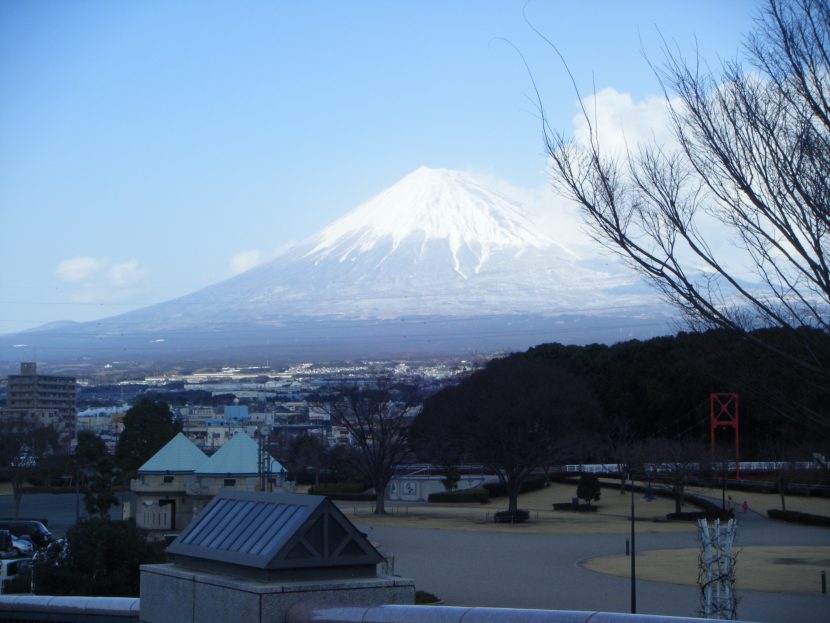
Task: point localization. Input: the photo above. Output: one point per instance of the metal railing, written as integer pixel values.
(414, 469)
(126, 610)
(453, 614)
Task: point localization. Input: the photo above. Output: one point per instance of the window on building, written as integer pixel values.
(168, 479)
(230, 482)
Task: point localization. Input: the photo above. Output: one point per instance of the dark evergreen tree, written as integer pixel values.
(99, 492)
(306, 457)
(588, 488)
(99, 557)
(514, 416)
(148, 425)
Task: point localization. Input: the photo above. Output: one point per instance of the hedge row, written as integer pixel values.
(710, 510)
(478, 494)
(577, 508)
(802, 518)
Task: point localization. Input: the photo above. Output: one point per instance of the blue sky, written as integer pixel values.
(148, 149)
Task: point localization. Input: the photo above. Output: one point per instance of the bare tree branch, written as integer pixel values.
(753, 152)
(377, 420)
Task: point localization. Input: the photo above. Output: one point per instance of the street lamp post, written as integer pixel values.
(633, 554)
(77, 493)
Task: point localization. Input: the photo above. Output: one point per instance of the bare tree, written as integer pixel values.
(620, 442)
(24, 443)
(377, 420)
(753, 152)
(675, 462)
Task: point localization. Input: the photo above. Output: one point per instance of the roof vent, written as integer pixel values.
(274, 536)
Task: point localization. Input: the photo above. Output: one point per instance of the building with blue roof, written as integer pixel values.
(179, 480)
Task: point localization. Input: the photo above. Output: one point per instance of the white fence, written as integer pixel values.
(745, 466)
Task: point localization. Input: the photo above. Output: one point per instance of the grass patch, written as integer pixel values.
(351, 491)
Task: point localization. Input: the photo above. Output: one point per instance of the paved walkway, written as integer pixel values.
(543, 571)
(523, 569)
(514, 567)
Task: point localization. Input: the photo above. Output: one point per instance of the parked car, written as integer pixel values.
(38, 534)
(15, 576)
(22, 546)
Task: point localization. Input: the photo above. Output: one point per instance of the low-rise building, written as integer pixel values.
(179, 480)
(161, 489)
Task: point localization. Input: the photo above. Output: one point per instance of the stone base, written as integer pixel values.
(170, 594)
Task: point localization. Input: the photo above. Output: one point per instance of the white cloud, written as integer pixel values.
(79, 268)
(620, 123)
(125, 273)
(245, 260)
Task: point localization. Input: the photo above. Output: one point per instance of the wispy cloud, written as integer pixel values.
(98, 280)
(245, 260)
(79, 268)
(125, 273)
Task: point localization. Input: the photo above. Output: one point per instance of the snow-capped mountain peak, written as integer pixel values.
(430, 205)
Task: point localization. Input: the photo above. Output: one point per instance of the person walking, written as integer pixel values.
(745, 506)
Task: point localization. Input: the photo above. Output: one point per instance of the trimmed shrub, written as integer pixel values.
(534, 483)
(519, 516)
(797, 517)
(478, 494)
(588, 488)
(423, 598)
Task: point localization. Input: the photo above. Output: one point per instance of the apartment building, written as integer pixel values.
(49, 399)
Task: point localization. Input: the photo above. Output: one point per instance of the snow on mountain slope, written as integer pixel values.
(438, 242)
(433, 204)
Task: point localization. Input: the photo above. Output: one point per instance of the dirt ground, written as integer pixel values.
(612, 516)
(758, 568)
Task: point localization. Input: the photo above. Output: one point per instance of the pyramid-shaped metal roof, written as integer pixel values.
(239, 456)
(179, 455)
(273, 535)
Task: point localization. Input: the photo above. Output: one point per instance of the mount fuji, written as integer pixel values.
(442, 262)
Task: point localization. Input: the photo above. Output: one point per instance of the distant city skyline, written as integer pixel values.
(151, 149)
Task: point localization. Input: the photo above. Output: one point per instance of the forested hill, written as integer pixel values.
(661, 387)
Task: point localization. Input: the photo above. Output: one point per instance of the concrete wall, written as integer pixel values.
(170, 594)
(418, 488)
